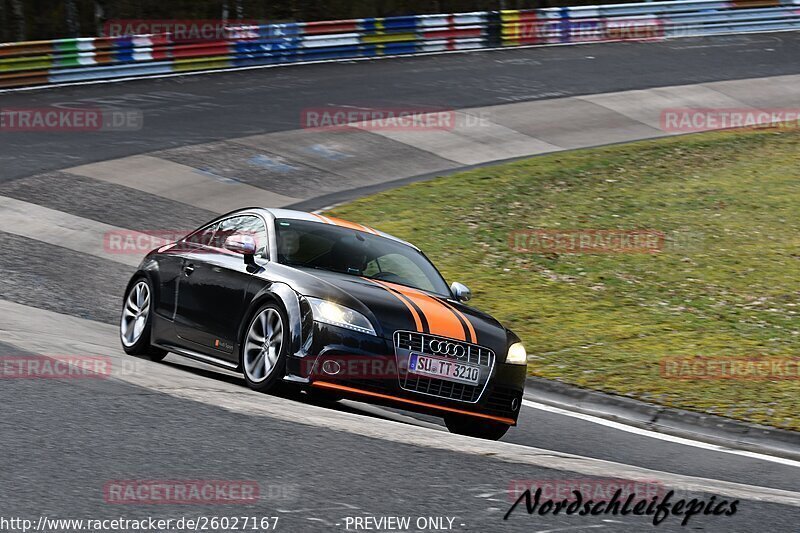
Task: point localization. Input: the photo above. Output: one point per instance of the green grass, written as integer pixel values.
(727, 283)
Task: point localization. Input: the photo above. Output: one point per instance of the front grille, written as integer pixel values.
(406, 342)
(418, 342)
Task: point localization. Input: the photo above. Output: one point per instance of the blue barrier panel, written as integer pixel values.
(123, 55)
(266, 46)
(335, 53)
(267, 57)
(399, 48)
(261, 59)
(400, 23)
(371, 24)
(564, 26)
(281, 31)
(115, 71)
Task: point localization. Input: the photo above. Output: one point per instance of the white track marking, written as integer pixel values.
(68, 231)
(660, 436)
(44, 332)
(357, 59)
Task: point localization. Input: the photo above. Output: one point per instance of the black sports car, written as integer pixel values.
(338, 308)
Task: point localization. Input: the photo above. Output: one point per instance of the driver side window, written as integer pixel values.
(203, 236)
(256, 228)
(249, 225)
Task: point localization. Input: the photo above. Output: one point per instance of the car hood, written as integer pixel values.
(391, 307)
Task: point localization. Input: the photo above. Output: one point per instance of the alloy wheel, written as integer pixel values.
(263, 345)
(135, 314)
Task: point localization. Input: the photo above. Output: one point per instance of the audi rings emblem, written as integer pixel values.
(447, 348)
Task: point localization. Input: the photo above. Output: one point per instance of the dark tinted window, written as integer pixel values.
(215, 234)
(249, 225)
(203, 236)
(329, 247)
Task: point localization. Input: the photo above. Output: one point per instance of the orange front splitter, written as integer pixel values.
(352, 390)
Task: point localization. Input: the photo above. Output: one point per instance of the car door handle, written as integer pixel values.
(188, 269)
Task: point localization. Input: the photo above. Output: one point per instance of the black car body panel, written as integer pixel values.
(205, 296)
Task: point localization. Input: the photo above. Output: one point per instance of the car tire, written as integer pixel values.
(475, 427)
(136, 321)
(264, 364)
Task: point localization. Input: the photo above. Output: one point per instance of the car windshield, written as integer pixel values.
(323, 246)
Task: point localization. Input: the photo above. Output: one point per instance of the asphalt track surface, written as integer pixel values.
(194, 109)
(61, 441)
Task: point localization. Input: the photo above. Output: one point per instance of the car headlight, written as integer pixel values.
(339, 315)
(516, 354)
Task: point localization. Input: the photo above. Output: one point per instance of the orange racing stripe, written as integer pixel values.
(345, 224)
(406, 302)
(472, 336)
(441, 320)
(351, 225)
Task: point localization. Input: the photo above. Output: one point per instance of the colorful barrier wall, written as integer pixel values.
(95, 58)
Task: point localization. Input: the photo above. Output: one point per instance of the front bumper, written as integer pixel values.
(352, 364)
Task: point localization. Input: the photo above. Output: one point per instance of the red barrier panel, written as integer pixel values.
(200, 49)
(454, 33)
(331, 26)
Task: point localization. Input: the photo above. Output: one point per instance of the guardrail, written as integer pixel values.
(97, 58)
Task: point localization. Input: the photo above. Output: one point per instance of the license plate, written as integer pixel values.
(441, 368)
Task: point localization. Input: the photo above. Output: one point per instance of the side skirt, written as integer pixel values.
(199, 356)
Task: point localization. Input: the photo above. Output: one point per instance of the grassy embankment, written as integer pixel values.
(726, 284)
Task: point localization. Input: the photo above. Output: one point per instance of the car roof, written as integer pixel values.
(293, 214)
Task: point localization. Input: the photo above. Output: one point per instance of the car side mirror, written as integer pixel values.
(461, 292)
(242, 244)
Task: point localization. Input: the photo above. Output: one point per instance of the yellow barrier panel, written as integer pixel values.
(202, 63)
(17, 64)
(388, 38)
